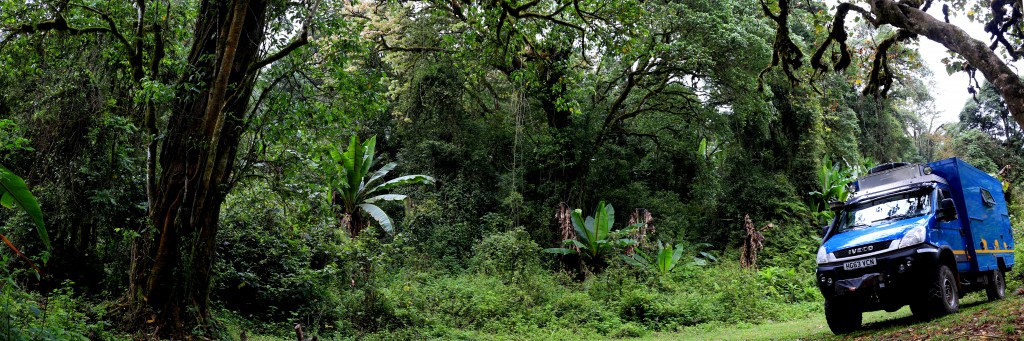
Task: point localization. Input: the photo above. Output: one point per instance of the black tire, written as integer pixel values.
(942, 297)
(842, 316)
(996, 288)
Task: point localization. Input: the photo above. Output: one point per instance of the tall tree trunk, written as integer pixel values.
(172, 262)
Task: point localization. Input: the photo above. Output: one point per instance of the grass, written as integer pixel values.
(977, 319)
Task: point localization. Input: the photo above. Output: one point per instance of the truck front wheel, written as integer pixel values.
(941, 298)
(842, 315)
(996, 288)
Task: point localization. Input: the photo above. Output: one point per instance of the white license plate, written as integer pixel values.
(857, 264)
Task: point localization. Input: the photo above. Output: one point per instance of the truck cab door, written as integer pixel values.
(950, 232)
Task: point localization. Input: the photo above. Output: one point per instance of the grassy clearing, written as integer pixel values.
(978, 318)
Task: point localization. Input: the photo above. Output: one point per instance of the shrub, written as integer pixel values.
(509, 256)
(58, 316)
(788, 284)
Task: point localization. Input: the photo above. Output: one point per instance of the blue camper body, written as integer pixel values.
(918, 235)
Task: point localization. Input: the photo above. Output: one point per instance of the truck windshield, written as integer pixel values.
(885, 209)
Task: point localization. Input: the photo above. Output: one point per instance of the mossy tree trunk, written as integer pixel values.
(172, 262)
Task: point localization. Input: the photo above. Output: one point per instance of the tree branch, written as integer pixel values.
(880, 77)
(112, 29)
(418, 49)
(297, 42)
(784, 51)
(1006, 81)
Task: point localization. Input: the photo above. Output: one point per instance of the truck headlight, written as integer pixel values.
(913, 237)
(822, 256)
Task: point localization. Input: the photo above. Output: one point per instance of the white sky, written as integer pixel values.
(949, 91)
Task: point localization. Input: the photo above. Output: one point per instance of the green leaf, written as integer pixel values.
(403, 180)
(577, 244)
(625, 242)
(636, 260)
(350, 164)
(678, 254)
(386, 197)
(578, 224)
(590, 229)
(665, 260)
(370, 147)
(380, 173)
(335, 154)
(14, 192)
(379, 215)
(7, 200)
(560, 250)
(609, 220)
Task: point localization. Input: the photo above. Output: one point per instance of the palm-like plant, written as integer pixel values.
(833, 182)
(666, 259)
(355, 190)
(594, 239)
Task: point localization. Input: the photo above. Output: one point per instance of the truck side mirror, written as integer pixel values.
(946, 209)
(824, 230)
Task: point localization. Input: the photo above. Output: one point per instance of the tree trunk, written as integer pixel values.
(955, 39)
(172, 262)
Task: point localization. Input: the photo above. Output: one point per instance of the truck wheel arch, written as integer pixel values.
(1002, 264)
(947, 258)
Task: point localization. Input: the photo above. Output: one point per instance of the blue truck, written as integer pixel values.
(914, 234)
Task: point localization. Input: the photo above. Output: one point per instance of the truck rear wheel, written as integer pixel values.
(842, 316)
(996, 288)
(942, 297)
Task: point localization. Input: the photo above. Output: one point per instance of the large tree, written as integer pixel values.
(911, 20)
(190, 167)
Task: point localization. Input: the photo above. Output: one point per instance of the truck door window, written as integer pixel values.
(890, 208)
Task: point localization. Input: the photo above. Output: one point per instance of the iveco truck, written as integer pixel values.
(914, 234)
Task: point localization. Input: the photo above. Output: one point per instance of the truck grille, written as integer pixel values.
(862, 249)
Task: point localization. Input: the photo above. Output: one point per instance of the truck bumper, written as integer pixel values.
(896, 278)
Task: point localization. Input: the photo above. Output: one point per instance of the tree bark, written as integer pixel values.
(976, 53)
(172, 262)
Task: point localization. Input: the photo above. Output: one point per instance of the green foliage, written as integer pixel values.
(12, 137)
(433, 305)
(665, 259)
(270, 270)
(511, 256)
(59, 315)
(355, 189)
(594, 238)
(14, 192)
(719, 292)
(833, 185)
(513, 118)
(978, 149)
(788, 284)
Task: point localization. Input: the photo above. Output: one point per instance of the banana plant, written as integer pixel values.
(354, 190)
(666, 259)
(833, 182)
(14, 193)
(594, 236)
